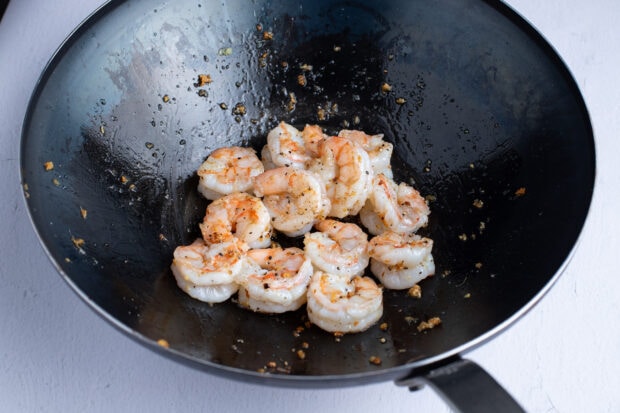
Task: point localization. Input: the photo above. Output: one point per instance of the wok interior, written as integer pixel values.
(490, 112)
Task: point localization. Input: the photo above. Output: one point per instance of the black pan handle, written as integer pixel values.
(466, 387)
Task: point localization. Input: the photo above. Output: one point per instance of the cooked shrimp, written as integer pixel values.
(313, 136)
(228, 170)
(338, 248)
(275, 281)
(295, 198)
(398, 208)
(207, 272)
(237, 216)
(265, 157)
(342, 304)
(344, 167)
(401, 260)
(287, 147)
(379, 151)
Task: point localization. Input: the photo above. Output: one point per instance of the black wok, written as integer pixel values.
(484, 116)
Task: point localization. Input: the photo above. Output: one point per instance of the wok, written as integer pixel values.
(485, 118)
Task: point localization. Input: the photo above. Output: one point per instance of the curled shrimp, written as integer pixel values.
(401, 260)
(287, 147)
(275, 281)
(343, 304)
(228, 170)
(295, 198)
(338, 248)
(379, 151)
(207, 272)
(345, 168)
(313, 136)
(237, 216)
(393, 207)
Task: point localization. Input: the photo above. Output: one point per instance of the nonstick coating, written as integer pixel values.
(492, 129)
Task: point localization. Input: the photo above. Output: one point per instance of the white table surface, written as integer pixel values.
(56, 355)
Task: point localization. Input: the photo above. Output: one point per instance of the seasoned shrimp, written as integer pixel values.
(207, 272)
(398, 208)
(342, 304)
(287, 147)
(275, 281)
(265, 157)
(379, 151)
(401, 260)
(313, 136)
(344, 167)
(337, 248)
(295, 198)
(228, 170)
(237, 216)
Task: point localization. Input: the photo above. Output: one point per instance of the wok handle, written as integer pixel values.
(466, 387)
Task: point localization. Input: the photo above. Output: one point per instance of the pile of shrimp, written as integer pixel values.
(304, 183)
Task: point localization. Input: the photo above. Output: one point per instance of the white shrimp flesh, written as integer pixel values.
(207, 272)
(287, 147)
(344, 167)
(399, 208)
(337, 248)
(379, 151)
(340, 304)
(275, 281)
(228, 170)
(400, 261)
(237, 216)
(295, 199)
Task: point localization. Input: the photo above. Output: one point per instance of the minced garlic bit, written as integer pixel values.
(468, 295)
(463, 237)
(430, 323)
(239, 109)
(272, 364)
(203, 79)
(374, 360)
(301, 355)
(292, 102)
(124, 179)
(401, 101)
(478, 203)
(520, 191)
(83, 212)
(56, 182)
(301, 80)
(166, 98)
(267, 35)
(478, 265)
(49, 165)
(385, 88)
(306, 67)
(415, 291)
(78, 242)
(163, 343)
(383, 326)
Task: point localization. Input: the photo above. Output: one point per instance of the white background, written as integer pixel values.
(57, 355)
